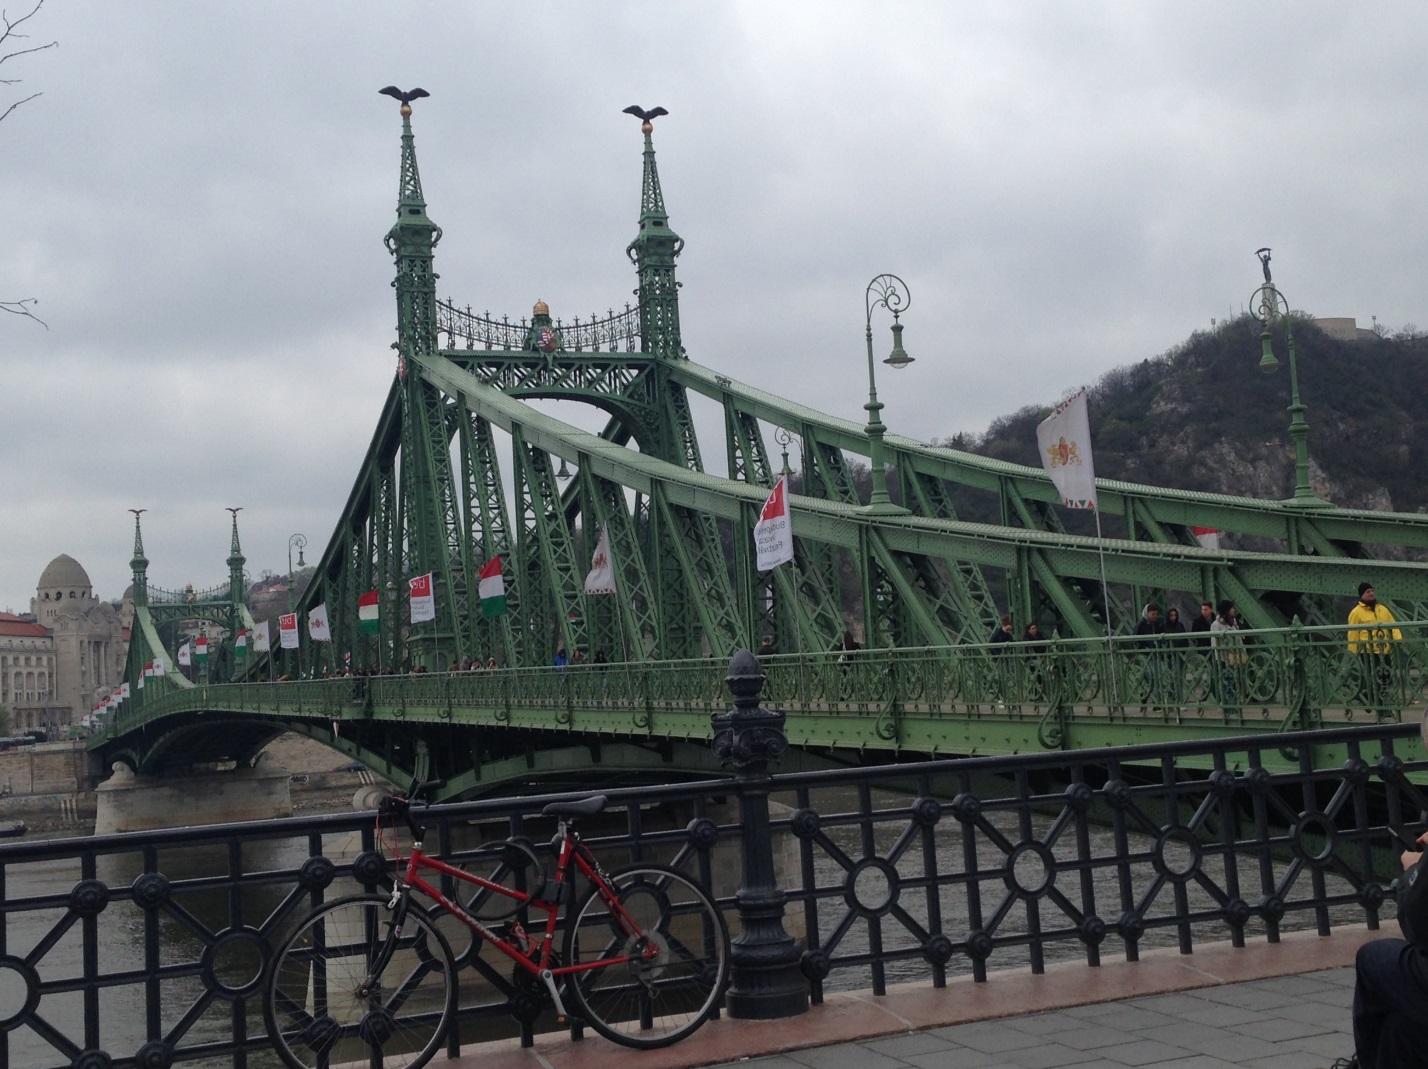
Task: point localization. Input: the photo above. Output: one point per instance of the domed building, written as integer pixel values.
(87, 644)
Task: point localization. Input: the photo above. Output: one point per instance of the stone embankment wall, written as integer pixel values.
(48, 786)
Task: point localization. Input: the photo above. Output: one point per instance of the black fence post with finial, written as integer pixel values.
(767, 981)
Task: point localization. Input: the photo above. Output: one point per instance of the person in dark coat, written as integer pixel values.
(1200, 626)
(1150, 626)
(1003, 633)
(1391, 982)
(1173, 627)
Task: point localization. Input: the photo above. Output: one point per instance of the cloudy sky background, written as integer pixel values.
(198, 201)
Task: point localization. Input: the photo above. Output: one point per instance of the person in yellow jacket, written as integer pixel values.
(1373, 644)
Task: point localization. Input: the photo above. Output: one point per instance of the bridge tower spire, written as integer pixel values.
(432, 516)
(236, 560)
(139, 563)
(412, 239)
(653, 253)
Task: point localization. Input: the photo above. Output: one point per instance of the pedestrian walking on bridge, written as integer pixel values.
(1373, 644)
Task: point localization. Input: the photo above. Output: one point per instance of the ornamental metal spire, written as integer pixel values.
(653, 253)
(433, 536)
(411, 240)
(236, 560)
(139, 563)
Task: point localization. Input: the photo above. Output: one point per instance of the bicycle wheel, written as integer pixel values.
(654, 1000)
(324, 1007)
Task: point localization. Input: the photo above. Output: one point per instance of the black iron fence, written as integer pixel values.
(148, 949)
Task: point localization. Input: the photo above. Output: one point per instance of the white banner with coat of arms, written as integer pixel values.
(1064, 441)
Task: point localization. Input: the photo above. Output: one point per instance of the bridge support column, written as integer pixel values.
(130, 802)
(767, 981)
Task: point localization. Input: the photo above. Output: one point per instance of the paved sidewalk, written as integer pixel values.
(1291, 1022)
(1264, 1006)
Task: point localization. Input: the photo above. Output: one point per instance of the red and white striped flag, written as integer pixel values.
(1208, 537)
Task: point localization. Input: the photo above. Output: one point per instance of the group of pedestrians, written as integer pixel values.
(563, 659)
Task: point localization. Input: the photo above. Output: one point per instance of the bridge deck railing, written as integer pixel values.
(150, 945)
(1260, 680)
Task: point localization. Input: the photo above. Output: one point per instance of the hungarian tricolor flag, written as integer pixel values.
(200, 649)
(368, 613)
(240, 645)
(492, 588)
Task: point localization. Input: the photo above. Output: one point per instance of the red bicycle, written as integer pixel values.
(370, 979)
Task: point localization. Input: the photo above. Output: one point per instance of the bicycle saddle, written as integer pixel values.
(583, 807)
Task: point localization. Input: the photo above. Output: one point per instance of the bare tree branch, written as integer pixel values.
(9, 33)
(17, 103)
(22, 308)
(26, 51)
(10, 26)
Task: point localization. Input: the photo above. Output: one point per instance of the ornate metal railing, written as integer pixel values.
(909, 698)
(612, 332)
(187, 596)
(151, 946)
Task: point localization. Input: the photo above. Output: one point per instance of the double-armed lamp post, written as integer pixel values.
(890, 292)
(1269, 306)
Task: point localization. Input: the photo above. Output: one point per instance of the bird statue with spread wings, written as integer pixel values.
(405, 97)
(646, 126)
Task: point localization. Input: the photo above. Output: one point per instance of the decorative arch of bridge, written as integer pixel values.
(462, 471)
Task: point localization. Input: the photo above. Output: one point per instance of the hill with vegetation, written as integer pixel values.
(1204, 417)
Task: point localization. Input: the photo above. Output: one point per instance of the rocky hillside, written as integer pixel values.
(1204, 417)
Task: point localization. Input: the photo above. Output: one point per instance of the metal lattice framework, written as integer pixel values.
(163, 618)
(462, 469)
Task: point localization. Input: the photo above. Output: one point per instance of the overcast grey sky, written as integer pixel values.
(198, 200)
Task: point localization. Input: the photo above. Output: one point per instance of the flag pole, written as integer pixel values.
(1106, 602)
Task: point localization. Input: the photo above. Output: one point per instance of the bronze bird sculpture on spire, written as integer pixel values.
(405, 98)
(645, 116)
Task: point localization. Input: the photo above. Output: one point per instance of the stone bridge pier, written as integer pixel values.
(130, 801)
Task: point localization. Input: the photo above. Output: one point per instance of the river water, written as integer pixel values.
(184, 934)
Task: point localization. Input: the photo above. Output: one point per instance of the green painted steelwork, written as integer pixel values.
(437, 492)
(973, 699)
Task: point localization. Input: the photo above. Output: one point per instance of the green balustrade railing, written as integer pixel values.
(1298, 677)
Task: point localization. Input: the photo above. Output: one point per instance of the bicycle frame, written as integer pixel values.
(572, 851)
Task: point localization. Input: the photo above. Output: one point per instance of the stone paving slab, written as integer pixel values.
(1266, 1006)
(1164, 1032)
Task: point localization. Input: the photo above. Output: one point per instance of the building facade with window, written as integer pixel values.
(27, 673)
(68, 652)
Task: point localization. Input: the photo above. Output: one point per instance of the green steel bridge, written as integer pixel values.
(461, 469)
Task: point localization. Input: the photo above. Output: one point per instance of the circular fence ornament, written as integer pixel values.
(316, 873)
(155, 1055)
(88, 898)
(233, 964)
(19, 992)
(937, 949)
(369, 867)
(150, 890)
(816, 964)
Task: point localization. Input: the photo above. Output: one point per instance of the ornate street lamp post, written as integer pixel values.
(1268, 305)
(298, 542)
(783, 438)
(890, 292)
